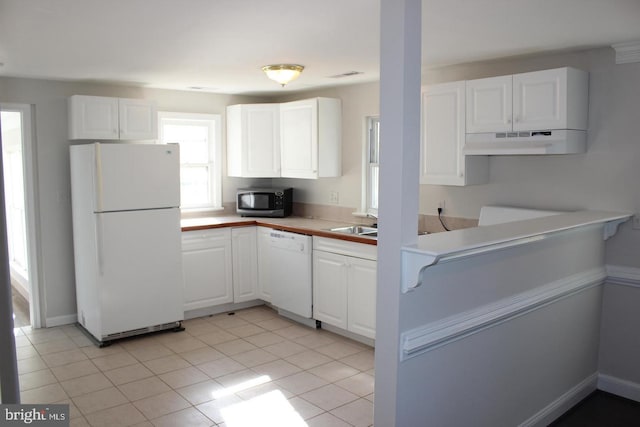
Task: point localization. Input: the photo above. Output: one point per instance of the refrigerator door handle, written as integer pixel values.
(99, 245)
(98, 178)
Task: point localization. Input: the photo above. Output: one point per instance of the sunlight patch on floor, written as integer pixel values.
(271, 409)
(245, 385)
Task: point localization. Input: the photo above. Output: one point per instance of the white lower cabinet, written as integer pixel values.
(233, 265)
(207, 268)
(245, 264)
(344, 285)
(361, 296)
(330, 288)
(264, 264)
(220, 266)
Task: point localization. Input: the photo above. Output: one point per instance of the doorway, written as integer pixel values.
(17, 154)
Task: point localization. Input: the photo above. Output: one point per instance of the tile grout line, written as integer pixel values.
(220, 324)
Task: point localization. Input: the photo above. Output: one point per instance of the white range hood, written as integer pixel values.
(563, 141)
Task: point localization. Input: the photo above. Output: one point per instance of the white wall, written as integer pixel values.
(598, 179)
(604, 178)
(620, 343)
(52, 162)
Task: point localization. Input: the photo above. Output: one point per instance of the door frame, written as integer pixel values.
(31, 208)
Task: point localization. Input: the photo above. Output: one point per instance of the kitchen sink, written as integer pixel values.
(357, 230)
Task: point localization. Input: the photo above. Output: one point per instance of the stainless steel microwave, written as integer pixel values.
(266, 202)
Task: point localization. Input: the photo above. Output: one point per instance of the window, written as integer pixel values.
(200, 143)
(372, 167)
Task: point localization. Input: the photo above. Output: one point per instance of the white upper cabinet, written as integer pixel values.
(539, 100)
(106, 118)
(253, 140)
(138, 119)
(489, 104)
(443, 136)
(311, 138)
(550, 99)
(93, 117)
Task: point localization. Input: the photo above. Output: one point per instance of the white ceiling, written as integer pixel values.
(220, 45)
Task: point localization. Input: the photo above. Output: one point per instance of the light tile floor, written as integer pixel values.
(253, 368)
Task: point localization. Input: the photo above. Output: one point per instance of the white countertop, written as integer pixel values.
(434, 248)
(442, 245)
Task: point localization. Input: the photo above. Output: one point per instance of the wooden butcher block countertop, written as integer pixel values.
(313, 227)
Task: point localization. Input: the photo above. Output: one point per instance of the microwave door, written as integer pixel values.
(255, 201)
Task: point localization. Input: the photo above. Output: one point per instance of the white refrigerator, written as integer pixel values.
(126, 235)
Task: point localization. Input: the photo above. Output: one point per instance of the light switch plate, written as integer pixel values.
(333, 197)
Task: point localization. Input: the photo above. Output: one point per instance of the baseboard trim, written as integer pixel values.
(619, 387)
(217, 309)
(436, 334)
(356, 337)
(68, 319)
(563, 403)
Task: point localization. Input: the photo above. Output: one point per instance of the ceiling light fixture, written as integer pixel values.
(283, 73)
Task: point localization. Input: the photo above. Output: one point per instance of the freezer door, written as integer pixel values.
(136, 176)
(139, 269)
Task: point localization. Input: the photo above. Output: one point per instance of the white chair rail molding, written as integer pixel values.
(502, 306)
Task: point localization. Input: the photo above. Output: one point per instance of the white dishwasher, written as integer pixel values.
(290, 258)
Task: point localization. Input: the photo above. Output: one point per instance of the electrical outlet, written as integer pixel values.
(334, 197)
(636, 222)
(441, 205)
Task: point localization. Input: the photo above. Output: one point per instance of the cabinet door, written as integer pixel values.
(540, 100)
(299, 139)
(362, 296)
(330, 288)
(261, 140)
(245, 264)
(138, 119)
(253, 140)
(443, 134)
(489, 104)
(264, 264)
(93, 117)
(207, 268)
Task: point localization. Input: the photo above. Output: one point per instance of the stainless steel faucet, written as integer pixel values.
(374, 216)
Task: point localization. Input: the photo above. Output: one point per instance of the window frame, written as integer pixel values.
(215, 153)
(369, 131)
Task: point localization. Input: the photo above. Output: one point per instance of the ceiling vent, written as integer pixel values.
(628, 52)
(347, 74)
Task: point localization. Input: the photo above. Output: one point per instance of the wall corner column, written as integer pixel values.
(400, 74)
